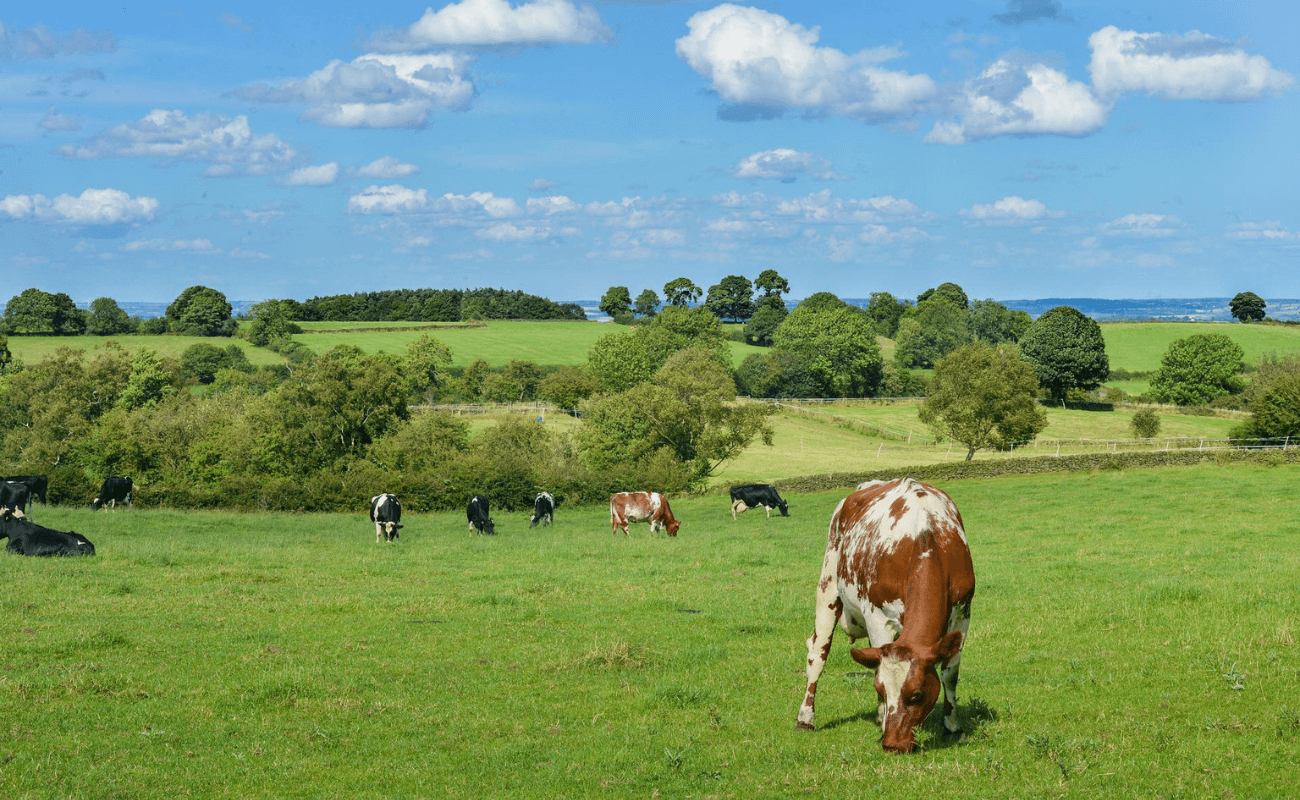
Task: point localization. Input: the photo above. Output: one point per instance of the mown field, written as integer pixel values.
(1140, 345)
(1120, 645)
(32, 349)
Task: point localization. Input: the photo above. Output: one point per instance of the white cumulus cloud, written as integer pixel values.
(226, 144)
(785, 165)
(395, 199)
(396, 90)
(1268, 231)
(554, 204)
(387, 168)
(1155, 225)
(322, 175)
(91, 207)
(475, 203)
(472, 23)
(1009, 209)
(54, 121)
(1013, 99)
(1191, 66)
(762, 61)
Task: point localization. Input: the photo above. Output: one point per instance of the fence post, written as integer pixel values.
(878, 449)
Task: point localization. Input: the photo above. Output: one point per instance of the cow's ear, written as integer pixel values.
(949, 645)
(868, 657)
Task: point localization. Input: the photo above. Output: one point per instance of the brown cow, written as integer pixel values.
(898, 571)
(651, 507)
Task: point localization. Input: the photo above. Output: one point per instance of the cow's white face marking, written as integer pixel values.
(892, 674)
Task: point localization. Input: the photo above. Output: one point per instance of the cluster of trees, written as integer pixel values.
(732, 299)
(198, 311)
(432, 305)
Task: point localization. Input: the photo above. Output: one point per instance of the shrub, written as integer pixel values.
(1145, 424)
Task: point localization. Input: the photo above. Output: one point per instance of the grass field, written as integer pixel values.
(1139, 345)
(1119, 645)
(32, 349)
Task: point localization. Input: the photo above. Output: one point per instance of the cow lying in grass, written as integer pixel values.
(26, 538)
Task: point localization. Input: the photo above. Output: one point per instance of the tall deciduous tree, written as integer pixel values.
(771, 284)
(1066, 350)
(930, 331)
(1247, 307)
(647, 303)
(271, 320)
(948, 291)
(838, 343)
(993, 323)
(37, 312)
(732, 298)
(983, 396)
(616, 302)
(200, 311)
(107, 318)
(681, 292)
(1195, 370)
(885, 311)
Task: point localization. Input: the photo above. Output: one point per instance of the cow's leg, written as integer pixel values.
(959, 619)
(734, 509)
(768, 509)
(829, 607)
(379, 531)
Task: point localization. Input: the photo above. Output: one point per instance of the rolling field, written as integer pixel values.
(1136, 649)
(1139, 345)
(32, 349)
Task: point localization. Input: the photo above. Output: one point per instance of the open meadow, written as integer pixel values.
(1134, 633)
(32, 349)
(1139, 346)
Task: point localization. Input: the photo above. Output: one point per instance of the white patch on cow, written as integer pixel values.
(892, 673)
(80, 542)
(868, 485)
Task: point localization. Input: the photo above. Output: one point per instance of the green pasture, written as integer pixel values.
(1133, 633)
(32, 349)
(314, 327)
(1138, 346)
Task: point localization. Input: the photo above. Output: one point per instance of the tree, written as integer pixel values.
(983, 396)
(993, 323)
(777, 373)
(681, 292)
(425, 365)
(948, 291)
(885, 311)
(202, 361)
(107, 318)
(930, 331)
(647, 303)
(763, 324)
(1247, 307)
(839, 344)
(732, 298)
(1274, 411)
(1066, 350)
(1145, 424)
(771, 284)
(1195, 370)
(37, 312)
(619, 361)
(616, 302)
(151, 380)
(271, 320)
(200, 311)
(567, 387)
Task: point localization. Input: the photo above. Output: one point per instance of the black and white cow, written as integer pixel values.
(15, 497)
(543, 510)
(114, 491)
(37, 485)
(479, 518)
(753, 495)
(26, 538)
(385, 512)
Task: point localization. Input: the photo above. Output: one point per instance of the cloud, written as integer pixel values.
(40, 43)
(1009, 209)
(91, 207)
(491, 23)
(786, 166)
(541, 185)
(554, 204)
(1141, 225)
(235, 21)
(823, 206)
(323, 175)
(880, 234)
(1267, 231)
(54, 121)
(395, 199)
(765, 64)
(376, 91)
(477, 202)
(202, 246)
(387, 168)
(227, 145)
(1191, 66)
(1021, 11)
(1012, 99)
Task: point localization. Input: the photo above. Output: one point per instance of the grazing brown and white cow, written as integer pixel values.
(651, 507)
(898, 571)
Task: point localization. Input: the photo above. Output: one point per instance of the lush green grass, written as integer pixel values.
(229, 655)
(1139, 346)
(367, 326)
(32, 349)
(497, 342)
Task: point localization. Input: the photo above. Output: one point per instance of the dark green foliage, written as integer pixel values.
(885, 311)
(732, 298)
(616, 302)
(619, 361)
(1067, 351)
(200, 311)
(567, 387)
(946, 291)
(1274, 411)
(930, 331)
(1195, 370)
(108, 319)
(837, 342)
(37, 312)
(983, 396)
(820, 301)
(777, 373)
(1247, 307)
(426, 365)
(6, 357)
(647, 303)
(681, 292)
(270, 320)
(763, 324)
(993, 323)
(1145, 424)
(771, 284)
(200, 362)
(433, 305)
(154, 326)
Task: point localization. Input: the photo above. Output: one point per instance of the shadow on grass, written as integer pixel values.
(974, 715)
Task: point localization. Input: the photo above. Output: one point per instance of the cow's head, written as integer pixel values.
(390, 531)
(673, 526)
(907, 684)
(785, 508)
(95, 504)
(491, 527)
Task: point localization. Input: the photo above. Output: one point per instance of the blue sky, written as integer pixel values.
(1022, 148)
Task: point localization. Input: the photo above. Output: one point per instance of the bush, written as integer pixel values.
(1145, 424)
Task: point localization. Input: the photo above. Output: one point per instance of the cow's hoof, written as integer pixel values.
(804, 726)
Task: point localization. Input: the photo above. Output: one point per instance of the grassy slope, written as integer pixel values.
(32, 349)
(259, 655)
(1139, 345)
